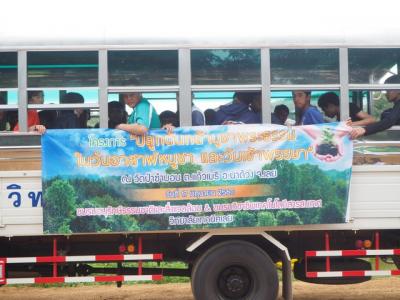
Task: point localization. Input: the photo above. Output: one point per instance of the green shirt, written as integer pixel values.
(145, 114)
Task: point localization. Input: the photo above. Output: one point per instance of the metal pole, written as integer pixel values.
(287, 292)
(22, 93)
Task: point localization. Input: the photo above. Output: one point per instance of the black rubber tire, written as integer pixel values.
(220, 270)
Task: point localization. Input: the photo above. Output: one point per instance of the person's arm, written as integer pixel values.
(366, 119)
(135, 129)
(390, 120)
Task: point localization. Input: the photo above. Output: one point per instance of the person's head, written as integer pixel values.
(256, 103)
(71, 98)
(330, 104)
(301, 99)
(35, 97)
(168, 117)
(244, 97)
(209, 115)
(132, 99)
(116, 113)
(281, 112)
(393, 95)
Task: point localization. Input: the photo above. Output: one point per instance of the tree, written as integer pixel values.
(331, 213)
(89, 223)
(288, 217)
(59, 206)
(187, 168)
(266, 218)
(244, 219)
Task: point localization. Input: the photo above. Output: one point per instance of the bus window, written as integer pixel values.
(304, 66)
(64, 108)
(8, 70)
(62, 69)
(162, 108)
(143, 68)
(285, 98)
(235, 106)
(372, 66)
(8, 93)
(209, 102)
(218, 67)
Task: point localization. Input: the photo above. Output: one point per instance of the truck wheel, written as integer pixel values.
(235, 270)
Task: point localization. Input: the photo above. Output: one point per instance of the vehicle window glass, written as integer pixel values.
(213, 67)
(304, 66)
(372, 66)
(143, 68)
(62, 69)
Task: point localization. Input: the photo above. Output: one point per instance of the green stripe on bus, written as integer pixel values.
(62, 66)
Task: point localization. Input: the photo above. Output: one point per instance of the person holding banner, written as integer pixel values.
(143, 112)
(390, 118)
(117, 119)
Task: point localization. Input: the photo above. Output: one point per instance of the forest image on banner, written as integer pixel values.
(105, 180)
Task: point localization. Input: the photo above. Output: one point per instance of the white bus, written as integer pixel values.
(174, 55)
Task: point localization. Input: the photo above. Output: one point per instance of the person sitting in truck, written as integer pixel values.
(389, 119)
(3, 115)
(117, 119)
(238, 111)
(330, 105)
(72, 118)
(34, 97)
(143, 112)
(280, 114)
(309, 114)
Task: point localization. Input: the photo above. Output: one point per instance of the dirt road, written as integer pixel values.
(388, 289)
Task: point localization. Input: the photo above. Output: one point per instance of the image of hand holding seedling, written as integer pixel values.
(327, 143)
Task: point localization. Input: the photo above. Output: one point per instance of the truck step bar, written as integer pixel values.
(355, 273)
(35, 280)
(82, 258)
(350, 253)
(57, 259)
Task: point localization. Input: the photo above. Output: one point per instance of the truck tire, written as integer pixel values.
(235, 270)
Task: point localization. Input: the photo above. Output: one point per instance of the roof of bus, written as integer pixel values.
(202, 24)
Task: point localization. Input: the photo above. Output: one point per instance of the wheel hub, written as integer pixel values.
(234, 282)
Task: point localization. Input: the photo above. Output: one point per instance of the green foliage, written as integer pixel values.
(327, 136)
(60, 201)
(266, 218)
(188, 168)
(288, 217)
(331, 213)
(244, 219)
(379, 105)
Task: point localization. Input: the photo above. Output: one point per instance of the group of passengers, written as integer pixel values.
(244, 109)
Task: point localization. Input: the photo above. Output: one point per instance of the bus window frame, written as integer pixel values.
(185, 87)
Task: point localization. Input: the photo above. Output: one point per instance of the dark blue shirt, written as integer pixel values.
(312, 116)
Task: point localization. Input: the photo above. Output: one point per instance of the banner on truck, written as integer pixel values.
(104, 180)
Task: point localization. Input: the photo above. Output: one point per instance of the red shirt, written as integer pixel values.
(33, 119)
